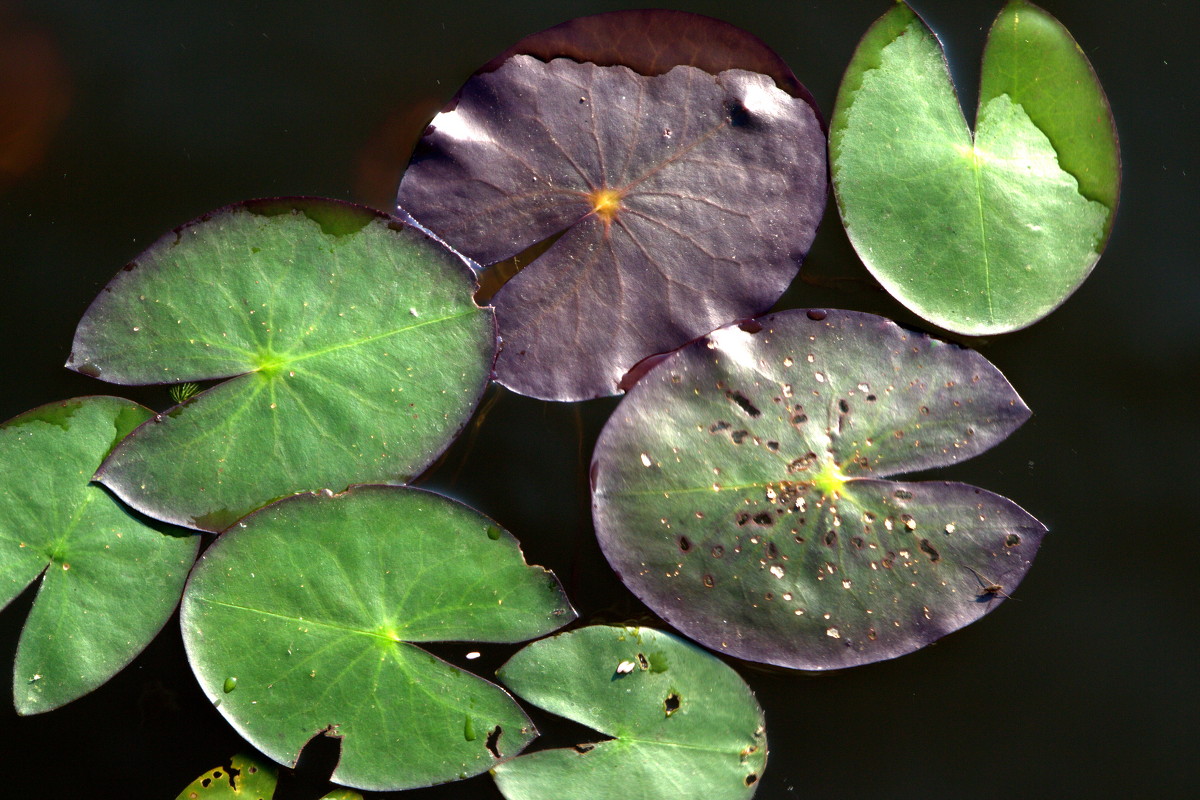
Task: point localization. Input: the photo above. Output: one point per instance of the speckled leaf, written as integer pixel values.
(92, 554)
(681, 722)
(300, 620)
(987, 232)
(738, 490)
(354, 350)
(680, 200)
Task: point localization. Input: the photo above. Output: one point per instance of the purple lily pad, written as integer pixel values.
(739, 490)
(674, 203)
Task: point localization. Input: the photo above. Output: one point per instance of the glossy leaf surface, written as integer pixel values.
(682, 722)
(91, 552)
(301, 619)
(979, 233)
(353, 346)
(738, 490)
(680, 200)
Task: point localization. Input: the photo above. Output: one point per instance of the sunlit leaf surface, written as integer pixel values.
(739, 490)
(352, 344)
(301, 619)
(981, 232)
(681, 722)
(109, 578)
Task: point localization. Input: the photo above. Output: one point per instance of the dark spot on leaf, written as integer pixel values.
(719, 426)
(741, 518)
(739, 117)
(744, 403)
(751, 779)
(772, 550)
(871, 398)
(1012, 540)
(642, 661)
(718, 551)
(857, 541)
(91, 370)
(773, 446)
(799, 539)
(844, 406)
(584, 748)
(739, 436)
(925, 411)
(751, 326)
(799, 419)
(902, 494)
(493, 741)
(130, 267)
(888, 560)
(830, 538)
(708, 581)
(816, 314)
(934, 555)
(671, 703)
(684, 544)
(764, 518)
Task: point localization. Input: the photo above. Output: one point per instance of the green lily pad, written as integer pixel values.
(92, 554)
(738, 490)
(245, 777)
(982, 233)
(683, 724)
(248, 778)
(352, 344)
(301, 619)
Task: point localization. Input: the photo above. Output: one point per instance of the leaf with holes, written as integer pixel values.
(352, 345)
(982, 233)
(739, 490)
(246, 777)
(301, 619)
(91, 552)
(683, 724)
(666, 205)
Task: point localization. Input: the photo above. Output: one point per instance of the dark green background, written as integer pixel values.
(1084, 686)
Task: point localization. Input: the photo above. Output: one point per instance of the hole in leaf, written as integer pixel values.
(1012, 540)
(584, 748)
(744, 403)
(493, 741)
(831, 538)
(671, 703)
(751, 779)
(934, 555)
(684, 544)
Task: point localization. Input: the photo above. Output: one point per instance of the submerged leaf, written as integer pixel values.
(312, 604)
(738, 490)
(353, 346)
(92, 554)
(981, 233)
(683, 724)
(675, 202)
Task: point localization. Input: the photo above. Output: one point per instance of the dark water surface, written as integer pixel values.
(1084, 686)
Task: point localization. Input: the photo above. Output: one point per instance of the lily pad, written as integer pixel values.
(683, 724)
(247, 778)
(301, 618)
(352, 344)
(91, 553)
(738, 490)
(979, 233)
(673, 202)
